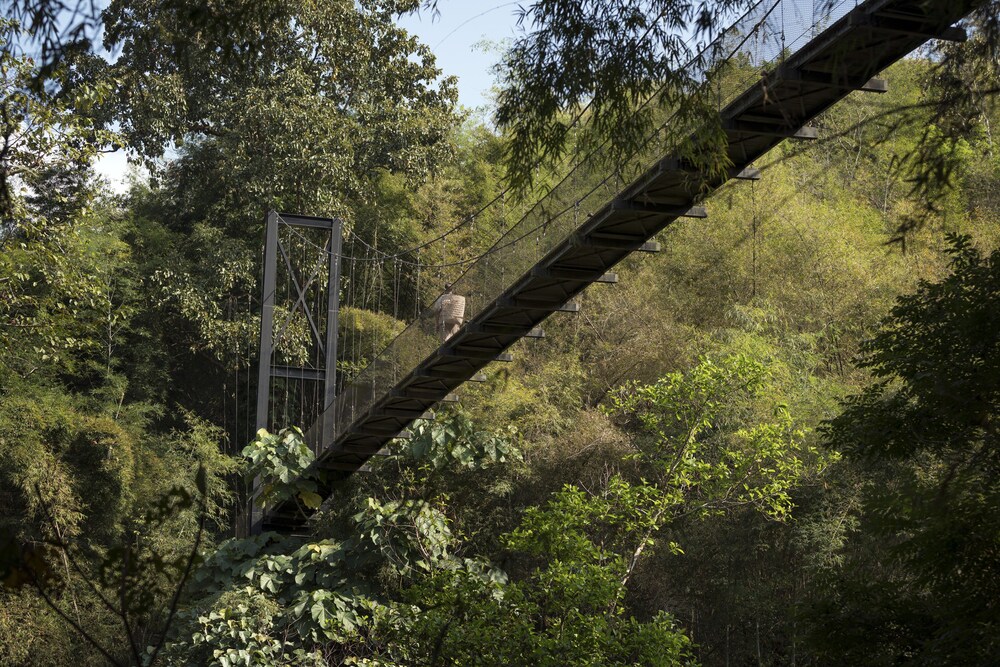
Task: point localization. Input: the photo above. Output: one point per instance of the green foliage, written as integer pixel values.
(33, 633)
(47, 136)
(243, 615)
(928, 422)
(280, 460)
(692, 455)
(575, 555)
(691, 506)
(607, 56)
(542, 398)
(67, 303)
(126, 581)
(407, 534)
(457, 442)
(200, 296)
(296, 122)
(363, 333)
(937, 341)
(269, 600)
(564, 616)
(277, 600)
(243, 635)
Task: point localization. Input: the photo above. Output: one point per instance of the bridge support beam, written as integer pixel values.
(839, 59)
(323, 329)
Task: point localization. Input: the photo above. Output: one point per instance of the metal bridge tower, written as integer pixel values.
(297, 368)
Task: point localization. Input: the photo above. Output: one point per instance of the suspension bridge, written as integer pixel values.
(796, 67)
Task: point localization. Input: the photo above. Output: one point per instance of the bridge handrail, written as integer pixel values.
(767, 33)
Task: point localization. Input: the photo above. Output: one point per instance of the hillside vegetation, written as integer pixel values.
(774, 442)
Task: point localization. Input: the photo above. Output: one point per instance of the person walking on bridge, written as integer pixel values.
(450, 311)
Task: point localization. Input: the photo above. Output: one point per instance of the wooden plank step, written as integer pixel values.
(475, 353)
(489, 328)
(441, 374)
(384, 430)
(660, 209)
(900, 26)
(423, 393)
(405, 413)
(785, 74)
(523, 303)
(769, 130)
(744, 174)
(608, 242)
(572, 273)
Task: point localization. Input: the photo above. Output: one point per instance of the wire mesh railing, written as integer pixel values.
(767, 33)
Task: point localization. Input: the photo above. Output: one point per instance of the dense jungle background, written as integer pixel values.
(772, 443)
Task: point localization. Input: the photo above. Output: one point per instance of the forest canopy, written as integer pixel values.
(774, 441)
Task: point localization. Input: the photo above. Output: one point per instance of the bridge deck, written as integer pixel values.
(841, 59)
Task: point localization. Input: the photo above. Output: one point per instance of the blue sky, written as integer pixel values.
(466, 36)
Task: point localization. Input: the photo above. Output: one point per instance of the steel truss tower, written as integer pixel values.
(297, 371)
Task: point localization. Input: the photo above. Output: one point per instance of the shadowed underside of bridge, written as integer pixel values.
(841, 59)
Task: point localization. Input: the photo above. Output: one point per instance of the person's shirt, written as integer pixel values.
(450, 306)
